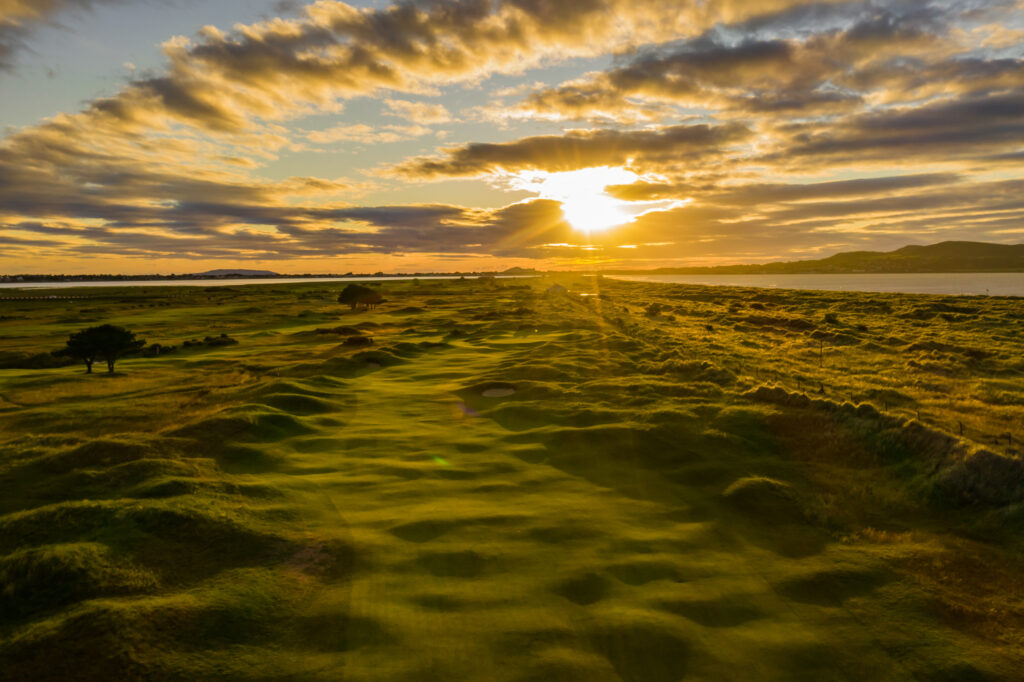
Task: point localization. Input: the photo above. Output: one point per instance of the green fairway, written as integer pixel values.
(621, 481)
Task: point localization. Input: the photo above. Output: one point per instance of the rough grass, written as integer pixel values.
(647, 483)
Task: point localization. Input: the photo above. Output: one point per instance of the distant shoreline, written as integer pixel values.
(236, 281)
(936, 284)
(132, 279)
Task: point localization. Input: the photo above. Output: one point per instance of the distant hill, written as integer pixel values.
(941, 257)
(519, 271)
(236, 273)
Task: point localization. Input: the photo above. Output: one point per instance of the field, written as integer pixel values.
(501, 480)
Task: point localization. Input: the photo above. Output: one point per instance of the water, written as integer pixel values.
(954, 283)
(220, 282)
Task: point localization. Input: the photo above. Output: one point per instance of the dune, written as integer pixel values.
(570, 488)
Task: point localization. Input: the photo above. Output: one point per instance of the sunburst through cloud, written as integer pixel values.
(585, 203)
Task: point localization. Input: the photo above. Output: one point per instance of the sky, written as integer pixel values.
(161, 136)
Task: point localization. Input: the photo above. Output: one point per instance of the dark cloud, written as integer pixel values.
(580, 149)
(757, 193)
(519, 229)
(18, 19)
(968, 127)
(16, 241)
(902, 52)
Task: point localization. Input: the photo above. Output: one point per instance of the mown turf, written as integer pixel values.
(499, 483)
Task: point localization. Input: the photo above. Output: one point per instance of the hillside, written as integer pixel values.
(942, 257)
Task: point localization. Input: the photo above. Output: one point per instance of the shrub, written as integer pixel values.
(35, 360)
(357, 295)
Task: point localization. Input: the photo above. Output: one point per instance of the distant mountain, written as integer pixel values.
(236, 273)
(941, 257)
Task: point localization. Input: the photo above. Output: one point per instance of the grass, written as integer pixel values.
(624, 482)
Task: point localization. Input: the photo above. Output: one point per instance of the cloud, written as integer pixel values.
(282, 68)
(924, 204)
(420, 113)
(518, 229)
(363, 133)
(757, 114)
(755, 222)
(579, 149)
(702, 73)
(965, 127)
(873, 54)
(750, 194)
(18, 18)
(60, 171)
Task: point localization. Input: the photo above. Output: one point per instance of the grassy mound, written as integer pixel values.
(765, 499)
(46, 578)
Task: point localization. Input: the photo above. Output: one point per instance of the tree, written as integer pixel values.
(106, 342)
(356, 295)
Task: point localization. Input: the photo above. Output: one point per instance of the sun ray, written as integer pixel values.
(586, 205)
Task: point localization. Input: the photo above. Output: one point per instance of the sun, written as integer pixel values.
(594, 212)
(586, 205)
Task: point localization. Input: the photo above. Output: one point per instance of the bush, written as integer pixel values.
(155, 349)
(210, 341)
(222, 340)
(357, 295)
